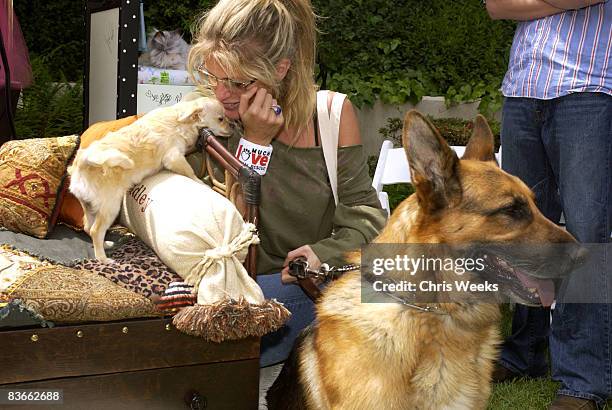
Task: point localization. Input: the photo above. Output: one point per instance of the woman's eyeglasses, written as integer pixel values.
(231, 85)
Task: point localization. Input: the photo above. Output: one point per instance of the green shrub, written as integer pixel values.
(402, 50)
(48, 108)
(172, 14)
(454, 130)
(395, 50)
(55, 32)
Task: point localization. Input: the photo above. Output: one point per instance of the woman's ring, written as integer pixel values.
(277, 109)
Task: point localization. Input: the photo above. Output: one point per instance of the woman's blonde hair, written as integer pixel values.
(248, 38)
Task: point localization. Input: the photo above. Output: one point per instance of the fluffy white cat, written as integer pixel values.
(166, 49)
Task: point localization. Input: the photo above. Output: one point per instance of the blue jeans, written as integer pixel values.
(562, 149)
(276, 346)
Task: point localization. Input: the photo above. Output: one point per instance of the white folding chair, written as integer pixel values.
(392, 168)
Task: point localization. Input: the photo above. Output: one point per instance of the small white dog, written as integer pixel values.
(102, 173)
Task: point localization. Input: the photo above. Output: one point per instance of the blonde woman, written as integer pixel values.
(257, 57)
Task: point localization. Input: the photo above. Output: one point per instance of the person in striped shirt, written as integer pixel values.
(557, 137)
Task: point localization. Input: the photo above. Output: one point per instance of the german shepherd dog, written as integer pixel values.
(426, 355)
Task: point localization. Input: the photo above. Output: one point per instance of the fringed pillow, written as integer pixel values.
(200, 235)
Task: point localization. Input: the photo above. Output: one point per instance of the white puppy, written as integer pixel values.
(102, 173)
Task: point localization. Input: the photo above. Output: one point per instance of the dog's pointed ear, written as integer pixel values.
(433, 164)
(189, 109)
(481, 146)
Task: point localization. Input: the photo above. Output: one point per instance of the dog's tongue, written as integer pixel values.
(545, 287)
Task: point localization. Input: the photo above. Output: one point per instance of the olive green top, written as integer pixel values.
(297, 205)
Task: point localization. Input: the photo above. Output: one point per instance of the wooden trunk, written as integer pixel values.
(138, 364)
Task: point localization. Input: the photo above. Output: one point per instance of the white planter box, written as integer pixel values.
(371, 119)
(151, 96)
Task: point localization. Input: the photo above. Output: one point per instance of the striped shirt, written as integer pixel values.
(561, 54)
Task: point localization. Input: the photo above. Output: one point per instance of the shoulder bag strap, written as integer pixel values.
(329, 124)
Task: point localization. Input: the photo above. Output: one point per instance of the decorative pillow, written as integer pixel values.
(32, 174)
(191, 228)
(70, 211)
(201, 235)
(136, 267)
(63, 294)
(100, 129)
(14, 268)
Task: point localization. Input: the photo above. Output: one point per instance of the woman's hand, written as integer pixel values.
(306, 252)
(261, 124)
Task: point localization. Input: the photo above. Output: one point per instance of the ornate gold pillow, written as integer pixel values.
(66, 295)
(32, 175)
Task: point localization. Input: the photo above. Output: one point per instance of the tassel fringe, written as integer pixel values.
(231, 319)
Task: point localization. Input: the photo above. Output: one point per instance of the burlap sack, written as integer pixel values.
(200, 235)
(196, 232)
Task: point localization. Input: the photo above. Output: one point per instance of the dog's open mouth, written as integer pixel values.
(528, 289)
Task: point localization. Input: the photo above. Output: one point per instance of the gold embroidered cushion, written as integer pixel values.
(66, 295)
(32, 174)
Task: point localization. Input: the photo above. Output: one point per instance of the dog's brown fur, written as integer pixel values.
(103, 172)
(391, 356)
